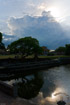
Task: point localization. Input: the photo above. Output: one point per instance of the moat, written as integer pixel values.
(40, 87)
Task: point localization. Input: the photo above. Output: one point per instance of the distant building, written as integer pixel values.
(52, 53)
(45, 50)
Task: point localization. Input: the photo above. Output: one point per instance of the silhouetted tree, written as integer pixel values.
(0, 37)
(60, 50)
(67, 52)
(2, 46)
(26, 46)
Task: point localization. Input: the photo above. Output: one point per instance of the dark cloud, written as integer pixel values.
(48, 31)
(7, 39)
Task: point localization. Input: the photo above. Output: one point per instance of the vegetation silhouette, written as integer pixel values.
(67, 52)
(26, 46)
(29, 88)
(2, 46)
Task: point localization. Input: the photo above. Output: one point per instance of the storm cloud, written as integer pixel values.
(48, 31)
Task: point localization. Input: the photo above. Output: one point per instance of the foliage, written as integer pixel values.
(2, 46)
(67, 52)
(65, 49)
(60, 49)
(25, 46)
(0, 37)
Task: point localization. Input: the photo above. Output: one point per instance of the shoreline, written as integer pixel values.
(9, 69)
(32, 64)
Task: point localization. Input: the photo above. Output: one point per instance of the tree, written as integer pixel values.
(60, 49)
(0, 37)
(67, 51)
(26, 46)
(2, 46)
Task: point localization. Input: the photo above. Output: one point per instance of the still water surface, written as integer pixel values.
(45, 87)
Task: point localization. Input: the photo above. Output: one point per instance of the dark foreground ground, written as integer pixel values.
(8, 100)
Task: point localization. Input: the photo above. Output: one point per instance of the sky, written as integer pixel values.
(46, 20)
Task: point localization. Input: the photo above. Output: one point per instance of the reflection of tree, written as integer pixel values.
(30, 88)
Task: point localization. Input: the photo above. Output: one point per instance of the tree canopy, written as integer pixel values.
(0, 37)
(60, 49)
(2, 46)
(26, 46)
(67, 52)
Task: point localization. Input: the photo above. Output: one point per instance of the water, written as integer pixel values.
(42, 86)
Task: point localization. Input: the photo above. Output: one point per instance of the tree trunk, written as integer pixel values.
(35, 56)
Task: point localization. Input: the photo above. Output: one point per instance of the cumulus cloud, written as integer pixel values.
(48, 31)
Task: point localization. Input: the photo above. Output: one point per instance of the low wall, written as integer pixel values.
(8, 89)
(28, 67)
(14, 60)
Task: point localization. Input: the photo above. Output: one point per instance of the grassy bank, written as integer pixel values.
(54, 57)
(6, 56)
(13, 56)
